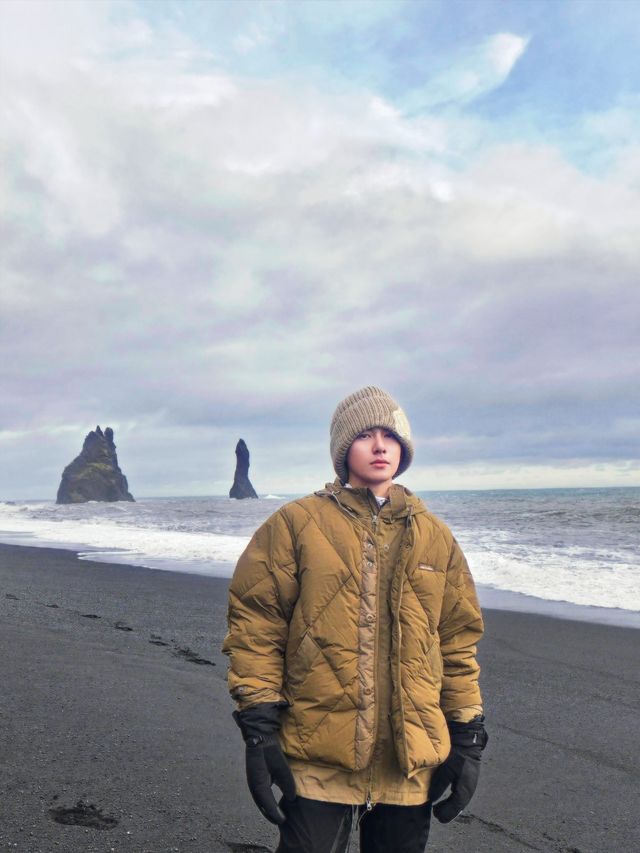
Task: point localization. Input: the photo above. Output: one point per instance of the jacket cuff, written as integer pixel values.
(245, 697)
(463, 715)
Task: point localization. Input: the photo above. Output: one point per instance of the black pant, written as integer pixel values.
(316, 827)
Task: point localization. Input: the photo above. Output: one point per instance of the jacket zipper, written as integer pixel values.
(368, 803)
(396, 616)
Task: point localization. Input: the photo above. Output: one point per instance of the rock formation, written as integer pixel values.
(242, 487)
(94, 475)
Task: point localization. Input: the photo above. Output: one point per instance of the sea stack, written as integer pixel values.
(94, 475)
(242, 487)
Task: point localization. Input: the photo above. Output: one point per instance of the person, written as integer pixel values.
(352, 629)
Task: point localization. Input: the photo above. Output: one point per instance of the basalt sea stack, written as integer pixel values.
(242, 487)
(94, 475)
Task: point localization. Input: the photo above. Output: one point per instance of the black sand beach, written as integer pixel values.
(113, 694)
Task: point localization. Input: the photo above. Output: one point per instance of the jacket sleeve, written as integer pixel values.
(262, 594)
(460, 629)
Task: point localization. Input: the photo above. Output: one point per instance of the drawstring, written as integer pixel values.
(344, 508)
(408, 532)
(357, 815)
(348, 818)
(352, 829)
(364, 813)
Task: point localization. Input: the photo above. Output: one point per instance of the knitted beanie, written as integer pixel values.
(365, 409)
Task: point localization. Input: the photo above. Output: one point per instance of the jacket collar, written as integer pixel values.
(362, 502)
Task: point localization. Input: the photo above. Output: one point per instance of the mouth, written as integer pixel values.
(379, 463)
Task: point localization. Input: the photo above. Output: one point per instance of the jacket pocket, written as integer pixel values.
(298, 665)
(427, 582)
(435, 656)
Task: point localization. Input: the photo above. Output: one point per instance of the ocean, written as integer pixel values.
(568, 552)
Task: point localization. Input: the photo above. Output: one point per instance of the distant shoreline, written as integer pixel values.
(517, 602)
(490, 597)
(294, 495)
(569, 554)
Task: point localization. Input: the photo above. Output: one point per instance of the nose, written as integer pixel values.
(379, 444)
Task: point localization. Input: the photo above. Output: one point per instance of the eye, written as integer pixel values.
(365, 435)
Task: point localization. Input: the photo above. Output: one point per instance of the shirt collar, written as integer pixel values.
(381, 500)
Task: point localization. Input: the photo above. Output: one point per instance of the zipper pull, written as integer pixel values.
(368, 803)
(374, 520)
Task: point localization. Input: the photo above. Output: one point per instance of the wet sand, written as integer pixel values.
(113, 702)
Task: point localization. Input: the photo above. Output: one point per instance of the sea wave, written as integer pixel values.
(575, 575)
(102, 538)
(519, 543)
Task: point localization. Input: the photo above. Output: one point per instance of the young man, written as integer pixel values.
(353, 623)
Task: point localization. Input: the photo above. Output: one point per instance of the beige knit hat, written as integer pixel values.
(364, 409)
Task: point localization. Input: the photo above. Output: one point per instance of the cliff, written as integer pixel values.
(242, 487)
(94, 475)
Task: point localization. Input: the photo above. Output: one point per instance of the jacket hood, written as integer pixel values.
(401, 501)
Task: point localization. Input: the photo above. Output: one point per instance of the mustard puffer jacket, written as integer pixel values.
(304, 616)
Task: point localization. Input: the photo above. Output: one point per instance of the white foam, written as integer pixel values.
(126, 542)
(605, 579)
(208, 536)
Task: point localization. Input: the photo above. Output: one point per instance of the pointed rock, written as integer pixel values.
(242, 487)
(94, 475)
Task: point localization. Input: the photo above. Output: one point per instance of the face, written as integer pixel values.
(373, 459)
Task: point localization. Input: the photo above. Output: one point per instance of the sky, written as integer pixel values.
(219, 219)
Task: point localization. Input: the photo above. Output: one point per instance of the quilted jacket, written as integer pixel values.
(308, 623)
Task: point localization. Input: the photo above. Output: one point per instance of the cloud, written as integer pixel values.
(195, 255)
(475, 71)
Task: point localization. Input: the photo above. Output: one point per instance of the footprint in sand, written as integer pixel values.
(83, 814)
(193, 657)
(181, 651)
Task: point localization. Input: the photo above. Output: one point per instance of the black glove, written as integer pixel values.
(266, 762)
(461, 769)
